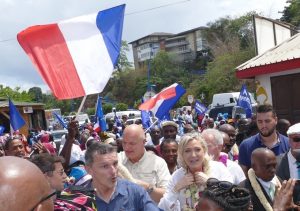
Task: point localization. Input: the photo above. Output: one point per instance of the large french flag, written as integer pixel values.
(161, 103)
(76, 57)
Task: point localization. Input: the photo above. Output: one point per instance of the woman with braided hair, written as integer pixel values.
(183, 188)
(223, 196)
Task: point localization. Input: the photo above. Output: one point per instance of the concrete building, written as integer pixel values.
(184, 46)
(147, 47)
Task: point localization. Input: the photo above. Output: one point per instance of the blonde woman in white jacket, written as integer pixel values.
(183, 189)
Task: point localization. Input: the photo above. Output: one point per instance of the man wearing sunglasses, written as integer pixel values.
(23, 186)
(289, 163)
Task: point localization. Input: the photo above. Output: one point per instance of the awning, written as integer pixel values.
(285, 56)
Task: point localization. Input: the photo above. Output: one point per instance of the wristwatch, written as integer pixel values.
(150, 189)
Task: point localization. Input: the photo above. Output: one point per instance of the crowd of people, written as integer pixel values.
(249, 164)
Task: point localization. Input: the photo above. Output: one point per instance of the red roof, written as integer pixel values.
(285, 56)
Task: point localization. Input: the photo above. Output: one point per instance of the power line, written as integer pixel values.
(154, 8)
(131, 13)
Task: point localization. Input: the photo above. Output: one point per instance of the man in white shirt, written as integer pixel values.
(214, 141)
(262, 182)
(289, 163)
(149, 170)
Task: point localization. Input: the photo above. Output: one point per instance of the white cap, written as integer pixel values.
(294, 129)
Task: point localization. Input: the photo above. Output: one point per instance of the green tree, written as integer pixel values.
(291, 13)
(36, 93)
(123, 62)
(231, 43)
(15, 94)
(121, 107)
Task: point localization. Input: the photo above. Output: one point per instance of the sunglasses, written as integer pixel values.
(296, 139)
(213, 182)
(44, 199)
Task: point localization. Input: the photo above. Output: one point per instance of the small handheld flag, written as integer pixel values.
(200, 108)
(244, 101)
(60, 120)
(100, 125)
(161, 103)
(146, 121)
(16, 120)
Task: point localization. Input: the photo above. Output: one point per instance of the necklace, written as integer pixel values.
(258, 191)
(191, 193)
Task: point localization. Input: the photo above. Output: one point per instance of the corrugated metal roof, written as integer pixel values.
(287, 50)
(4, 104)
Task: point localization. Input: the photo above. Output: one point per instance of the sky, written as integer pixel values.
(142, 17)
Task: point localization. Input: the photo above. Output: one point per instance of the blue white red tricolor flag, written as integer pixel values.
(161, 103)
(245, 101)
(76, 57)
(16, 120)
(200, 108)
(100, 124)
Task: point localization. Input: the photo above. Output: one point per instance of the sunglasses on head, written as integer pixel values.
(296, 139)
(213, 182)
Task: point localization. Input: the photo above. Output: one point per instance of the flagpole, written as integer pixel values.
(81, 105)
(96, 106)
(151, 126)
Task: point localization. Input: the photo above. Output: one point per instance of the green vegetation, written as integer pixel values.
(231, 43)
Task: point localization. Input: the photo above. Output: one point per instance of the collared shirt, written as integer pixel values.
(250, 144)
(267, 185)
(150, 168)
(292, 166)
(127, 197)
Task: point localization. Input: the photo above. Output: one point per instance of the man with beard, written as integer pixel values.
(267, 137)
(289, 163)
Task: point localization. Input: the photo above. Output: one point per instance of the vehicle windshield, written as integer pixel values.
(213, 113)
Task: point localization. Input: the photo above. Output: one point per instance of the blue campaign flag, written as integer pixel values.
(200, 108)
(118, 122)
(145, 115)
(100, 116)
(1, 130)
(16, 120)
(244, 101)
(60, 120)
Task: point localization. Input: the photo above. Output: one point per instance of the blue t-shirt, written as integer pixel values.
(127, 197)
(250, 144)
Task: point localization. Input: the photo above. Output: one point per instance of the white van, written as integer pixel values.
(229, 99)
(227, 103)
(131, 114)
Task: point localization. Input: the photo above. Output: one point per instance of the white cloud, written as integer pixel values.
(16, 15)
